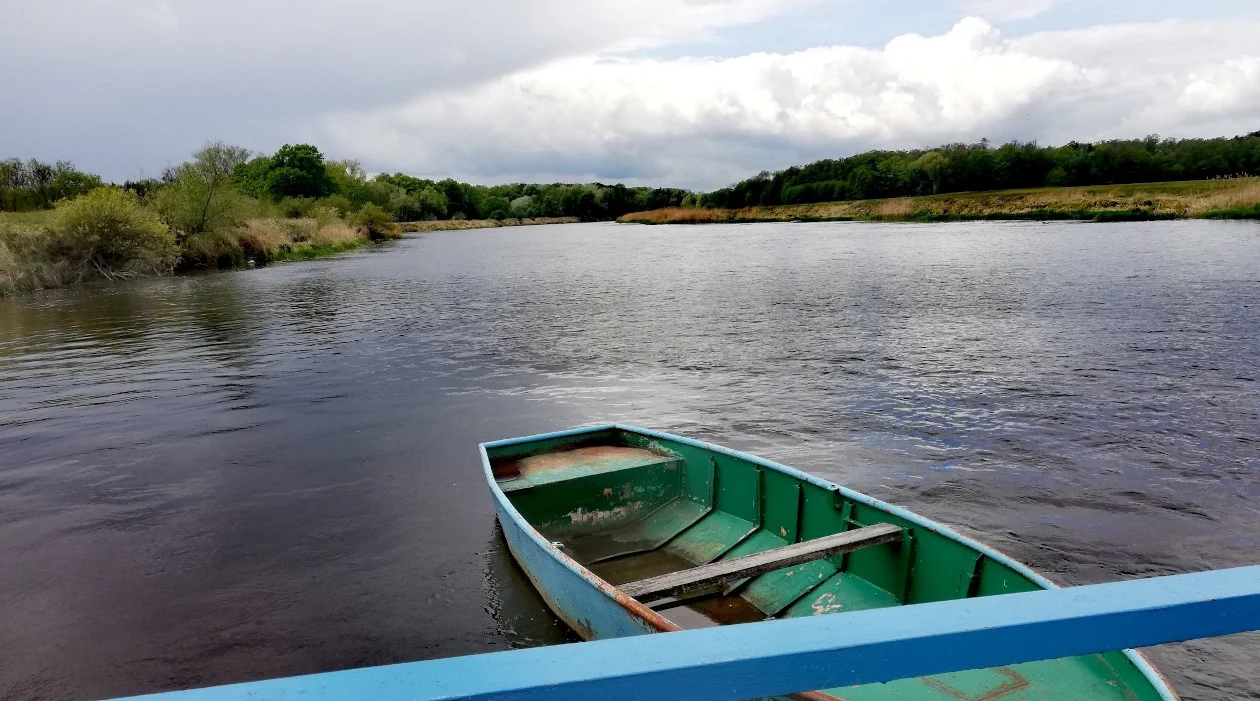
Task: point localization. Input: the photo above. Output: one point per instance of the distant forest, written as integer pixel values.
(978, 167)
(297, 178)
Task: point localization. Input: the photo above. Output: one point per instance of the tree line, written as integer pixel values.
(976, 167)
(34, 184)
(297, 178)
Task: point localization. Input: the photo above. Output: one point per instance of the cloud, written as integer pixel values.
(493, 90)
(1002, 10)
(704, 122)
(154, 78)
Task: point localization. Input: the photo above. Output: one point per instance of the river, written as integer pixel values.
(225, 477)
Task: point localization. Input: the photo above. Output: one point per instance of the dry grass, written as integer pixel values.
(1204, 198)
(460, 224)
(263, 240)
(32, 256)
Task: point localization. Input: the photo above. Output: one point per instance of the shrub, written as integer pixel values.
(376, 222)
(341, 203)
(265, 240)
(109, 231)
(295, 207)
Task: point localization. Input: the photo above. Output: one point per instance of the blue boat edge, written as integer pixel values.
(613, 614)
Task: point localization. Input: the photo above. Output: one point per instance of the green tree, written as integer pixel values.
(932, 164)
(250, 177)
(497, 208)
(432, 204)
(12, 183)
(203, 196)
(522, 206)
(297, 170)
(39, 179)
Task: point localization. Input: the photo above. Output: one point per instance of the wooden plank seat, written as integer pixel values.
(727, 571)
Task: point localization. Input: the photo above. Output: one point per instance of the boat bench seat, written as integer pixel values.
(735, 569)
(538, 470)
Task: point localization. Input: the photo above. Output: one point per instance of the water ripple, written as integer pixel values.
(273, 472)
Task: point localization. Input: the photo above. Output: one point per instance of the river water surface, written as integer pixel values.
(234, 476)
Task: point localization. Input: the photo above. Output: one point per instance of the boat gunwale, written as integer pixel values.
(1139, 660)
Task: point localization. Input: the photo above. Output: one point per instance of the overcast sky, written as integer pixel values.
(689, 93)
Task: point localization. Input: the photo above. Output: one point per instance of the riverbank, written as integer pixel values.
(461, 224)
(35, 254)
(1225, 199)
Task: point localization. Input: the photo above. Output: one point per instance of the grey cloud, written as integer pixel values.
(119, 84)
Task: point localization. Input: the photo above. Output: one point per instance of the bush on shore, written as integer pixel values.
(199, 215)
(106, 233)
(271, 239)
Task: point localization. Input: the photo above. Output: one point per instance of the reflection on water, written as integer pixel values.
(520, 612)
(251, 474)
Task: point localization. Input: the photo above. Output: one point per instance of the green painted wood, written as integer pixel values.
(710, 537)
(781, 503)
(738, 488)
(774, 591)
(650, 533)
(600, 502)
(841, 592)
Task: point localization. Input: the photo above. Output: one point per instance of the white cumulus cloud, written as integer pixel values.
(703, 122)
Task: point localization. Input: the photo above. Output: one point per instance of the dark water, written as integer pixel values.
(272, 472)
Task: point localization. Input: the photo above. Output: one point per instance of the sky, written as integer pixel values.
(682, 93)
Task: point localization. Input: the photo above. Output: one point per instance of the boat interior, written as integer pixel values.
(705, 537)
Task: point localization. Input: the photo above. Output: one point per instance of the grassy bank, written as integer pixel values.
(1226, 199)
(461, 224)
(38, 251)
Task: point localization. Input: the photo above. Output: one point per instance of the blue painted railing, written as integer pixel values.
(779, 657)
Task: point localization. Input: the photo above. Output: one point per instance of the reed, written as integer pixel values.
(462, 224)
(35, 255)
(265, 240)
(1235, 198)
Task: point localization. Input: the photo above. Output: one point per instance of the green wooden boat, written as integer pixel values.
(627, 531)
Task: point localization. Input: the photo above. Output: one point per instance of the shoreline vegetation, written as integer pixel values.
(1234, 198)
(228, 207)
(412, 227)
(1118, 180)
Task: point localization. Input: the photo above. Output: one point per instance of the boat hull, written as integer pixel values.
(595, 609)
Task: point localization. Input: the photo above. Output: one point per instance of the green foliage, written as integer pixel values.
(250, 178)
(350, 182)
(522, 206)
(376, 222)
(497, 208)
(409, 198)
(294, 207)
(298, 171)
(932, 165)
(339, 202)
(143, 188)
(432, 204)
(980, 167)
(202, 195)
(33, 184)
(109, 230)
